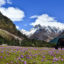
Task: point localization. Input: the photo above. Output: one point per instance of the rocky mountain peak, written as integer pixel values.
(45, 33)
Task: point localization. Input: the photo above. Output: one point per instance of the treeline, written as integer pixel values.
(36, 43)
(9, 42)
(26, 42)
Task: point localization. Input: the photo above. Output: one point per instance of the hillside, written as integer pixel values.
(7, 24)
(8, 30)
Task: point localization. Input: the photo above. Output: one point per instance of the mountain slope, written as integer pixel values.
(5, 34)
(7, 24)
(8, 30)
(45, 33)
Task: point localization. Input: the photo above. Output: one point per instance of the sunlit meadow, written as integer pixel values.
(30, 55)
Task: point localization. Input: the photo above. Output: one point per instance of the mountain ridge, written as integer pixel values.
(45, 33)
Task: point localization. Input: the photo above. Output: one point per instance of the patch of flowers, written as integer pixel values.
(30, 55)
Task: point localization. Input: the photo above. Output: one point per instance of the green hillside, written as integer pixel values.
(8, 31)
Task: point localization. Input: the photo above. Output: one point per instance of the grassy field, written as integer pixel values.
(30, 55)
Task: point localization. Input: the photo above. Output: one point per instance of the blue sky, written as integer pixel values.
(53, 8)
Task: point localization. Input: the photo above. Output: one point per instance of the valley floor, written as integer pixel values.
(30, 55)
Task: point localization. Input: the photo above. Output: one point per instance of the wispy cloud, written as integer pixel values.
(35, 16)
(9, 2)
(3, 2)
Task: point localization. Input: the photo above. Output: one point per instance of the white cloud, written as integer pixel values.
(45, 20)
(9, 2)
(3, 2)
(28, 33)
(35, 16)
(14, 14)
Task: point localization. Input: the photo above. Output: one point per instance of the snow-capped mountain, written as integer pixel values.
(45, 33)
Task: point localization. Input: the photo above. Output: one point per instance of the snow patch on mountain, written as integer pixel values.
(28, 33)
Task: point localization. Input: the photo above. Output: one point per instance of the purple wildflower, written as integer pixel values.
(61, 59)
(43, 56)
(25, 62)
(42, 60)
(0, 56)
(22, 56)
(55, 59)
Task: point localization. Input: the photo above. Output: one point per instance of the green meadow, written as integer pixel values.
(30, 55)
